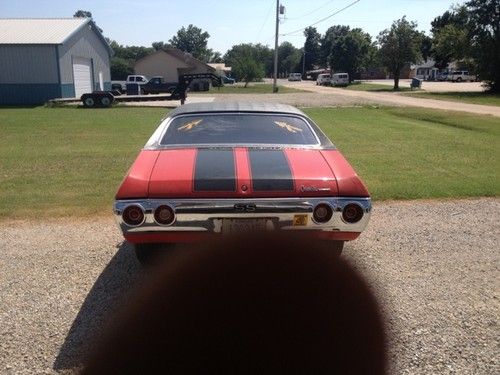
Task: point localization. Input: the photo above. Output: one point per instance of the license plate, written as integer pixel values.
(244, 225)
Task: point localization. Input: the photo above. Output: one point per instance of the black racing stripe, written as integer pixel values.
(270, 171)
(215, 171)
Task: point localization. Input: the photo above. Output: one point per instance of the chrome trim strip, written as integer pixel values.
(154, 143)
(205, 215)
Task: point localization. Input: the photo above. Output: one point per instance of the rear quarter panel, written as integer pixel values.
(136, 182)
(348, 182)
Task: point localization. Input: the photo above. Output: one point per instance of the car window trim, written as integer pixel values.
(180, 145)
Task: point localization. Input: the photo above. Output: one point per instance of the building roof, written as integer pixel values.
(235, 107)
(43, 30)
(220, 66)
(185, 57)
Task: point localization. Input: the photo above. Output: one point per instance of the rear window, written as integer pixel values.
(254, 129)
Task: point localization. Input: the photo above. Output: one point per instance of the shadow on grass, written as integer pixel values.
(108, 292)
(23, 106)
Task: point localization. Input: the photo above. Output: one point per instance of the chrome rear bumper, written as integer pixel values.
(206, 215)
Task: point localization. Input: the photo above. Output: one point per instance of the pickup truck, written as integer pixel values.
(122, 85)
(157, 85)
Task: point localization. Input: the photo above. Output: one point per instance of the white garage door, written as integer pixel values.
(82, 75)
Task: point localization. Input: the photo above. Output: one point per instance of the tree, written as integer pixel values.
(248, 70)
(349, 51)
(121, 68)
(312, 47)
(288, 58)
(216, 57)
(258, 52)
(246, 62)
(399, 45)
(123, 61)
(426, 46)
(85, 14)
(160, 46)
(192, 40)
(485, 36)
(451, 43)
(82, 14)
(328, 40)
(450, 33)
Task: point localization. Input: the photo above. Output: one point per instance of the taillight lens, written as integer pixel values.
(322, 213)
(164, 215)
(133, 215)
(352, 213)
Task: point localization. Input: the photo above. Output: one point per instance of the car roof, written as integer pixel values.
(257, 107)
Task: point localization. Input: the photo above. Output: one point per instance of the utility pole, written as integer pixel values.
(275, 86)
(304, 63)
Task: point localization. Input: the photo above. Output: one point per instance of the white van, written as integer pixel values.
(323, 79)
(295, 77)
(340, 79)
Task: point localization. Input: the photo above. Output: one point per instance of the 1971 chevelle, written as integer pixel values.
(216, 168)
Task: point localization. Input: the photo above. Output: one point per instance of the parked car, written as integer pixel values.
(443, 76)
(211, 169)
(133, 78)
(157, 85)
(340, 79)
(228, 80)
(295, 77)
(460, 76)
(323, 79)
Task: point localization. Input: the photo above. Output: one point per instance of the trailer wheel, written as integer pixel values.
(105, 101)
(89, 102)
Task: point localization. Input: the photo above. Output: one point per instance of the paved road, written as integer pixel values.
(434, 266)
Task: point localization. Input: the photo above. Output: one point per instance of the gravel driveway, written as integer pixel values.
(388, 98)
(434, 264)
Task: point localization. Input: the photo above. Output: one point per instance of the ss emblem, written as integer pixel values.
(245, 207)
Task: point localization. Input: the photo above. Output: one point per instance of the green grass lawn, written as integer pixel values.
(70, 161)
(467, 97)
(252, 88)
(375, 87)
(411, 153)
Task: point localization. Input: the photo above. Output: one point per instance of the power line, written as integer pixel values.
(323, 19)
(311, 12)
(265, 20)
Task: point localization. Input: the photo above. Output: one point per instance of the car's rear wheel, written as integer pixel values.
(148, 253)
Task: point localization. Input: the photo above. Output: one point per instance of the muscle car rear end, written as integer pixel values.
(216, 168)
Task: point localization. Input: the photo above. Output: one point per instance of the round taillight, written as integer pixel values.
(322, 213)
(352, 213)
(164, 215)
(133, 215)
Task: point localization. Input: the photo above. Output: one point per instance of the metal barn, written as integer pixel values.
(42, 59)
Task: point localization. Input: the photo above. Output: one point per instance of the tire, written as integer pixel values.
(105, 101)
(459, 79)
(89, 102)
(149, 253)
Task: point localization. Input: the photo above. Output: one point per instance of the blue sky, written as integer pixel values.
(229, 22)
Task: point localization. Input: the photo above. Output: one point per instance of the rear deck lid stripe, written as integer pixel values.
(270, 170)
(215, 170)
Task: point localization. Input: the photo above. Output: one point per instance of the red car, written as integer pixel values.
(215, 168)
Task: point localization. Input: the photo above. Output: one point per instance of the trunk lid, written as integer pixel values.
(241, 172)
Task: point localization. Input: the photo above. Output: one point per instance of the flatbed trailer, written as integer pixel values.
(104, 99)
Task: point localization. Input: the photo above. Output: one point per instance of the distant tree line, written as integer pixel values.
(468, 34)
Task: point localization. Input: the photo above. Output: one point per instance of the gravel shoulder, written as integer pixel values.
(434, 266)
